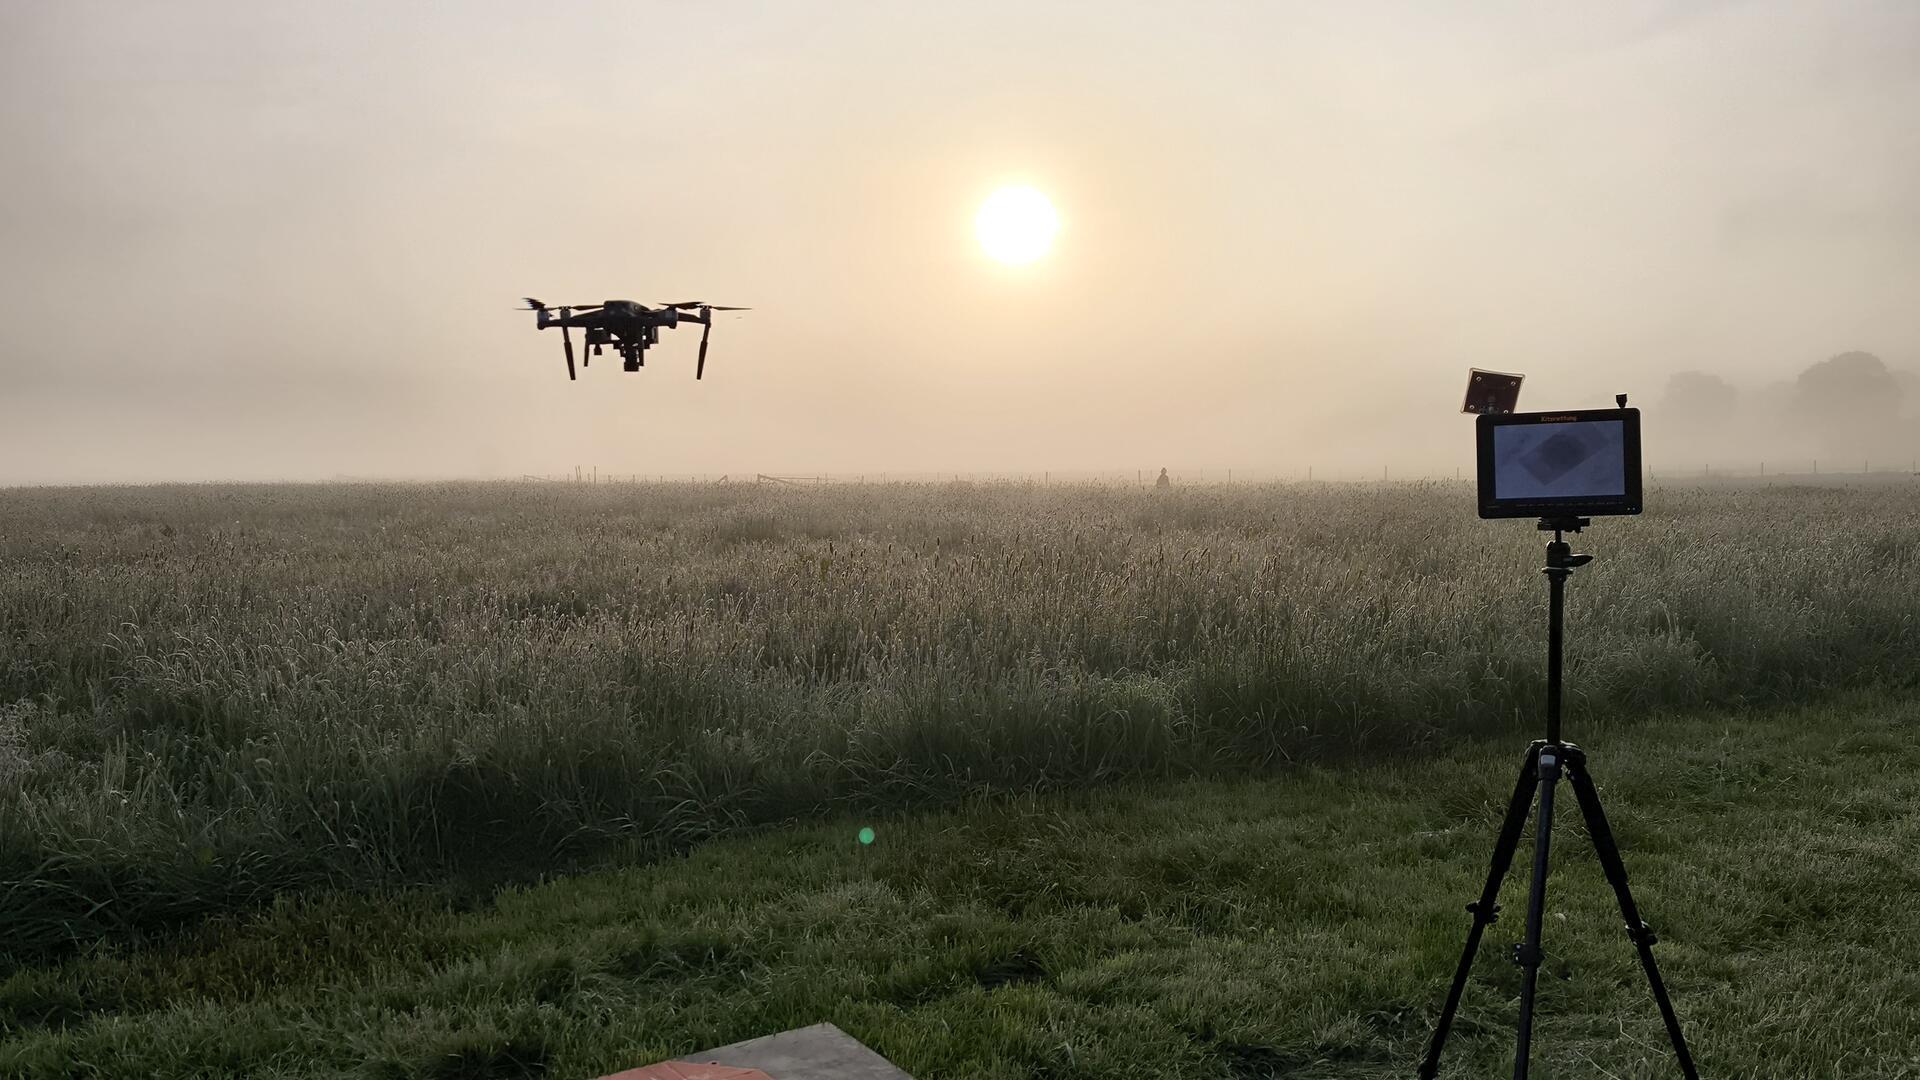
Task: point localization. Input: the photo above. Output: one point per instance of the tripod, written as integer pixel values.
(1545, 761)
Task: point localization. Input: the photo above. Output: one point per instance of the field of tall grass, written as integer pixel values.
(210, 696)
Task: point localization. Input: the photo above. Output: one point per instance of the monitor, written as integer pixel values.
(1559, 464)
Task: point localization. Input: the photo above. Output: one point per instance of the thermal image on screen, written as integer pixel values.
(1583, 459)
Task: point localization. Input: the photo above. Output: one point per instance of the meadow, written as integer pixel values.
(215, 696)
(1299, 926)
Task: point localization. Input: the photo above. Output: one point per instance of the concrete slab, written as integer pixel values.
(681, 1070)
(820, 1052)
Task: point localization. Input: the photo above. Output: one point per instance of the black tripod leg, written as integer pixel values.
(1527, 954)
(1486, 909)
(1639, 932)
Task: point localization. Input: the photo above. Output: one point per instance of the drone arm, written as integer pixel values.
(568, 316)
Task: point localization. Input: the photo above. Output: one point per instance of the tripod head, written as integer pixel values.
(1560, 557)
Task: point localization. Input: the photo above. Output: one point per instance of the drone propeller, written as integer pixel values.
(565, 309)
(690, 305)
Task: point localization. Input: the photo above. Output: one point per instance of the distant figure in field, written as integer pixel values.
(1163, 481)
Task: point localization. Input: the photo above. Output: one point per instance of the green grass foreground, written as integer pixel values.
(1299, 926)
(213, 697)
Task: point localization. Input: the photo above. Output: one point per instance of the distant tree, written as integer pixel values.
(1772, 402)
(1700, 398)
(1852, 401)
(1909, 390)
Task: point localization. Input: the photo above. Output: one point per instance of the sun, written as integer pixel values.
(1016, 225)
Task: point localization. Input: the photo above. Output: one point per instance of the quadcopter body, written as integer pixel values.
(628, 326)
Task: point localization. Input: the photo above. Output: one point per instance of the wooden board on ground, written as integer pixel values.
(820, 1052)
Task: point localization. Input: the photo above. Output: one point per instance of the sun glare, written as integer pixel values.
(1016, 225)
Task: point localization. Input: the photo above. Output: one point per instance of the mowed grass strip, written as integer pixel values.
(1299, 926)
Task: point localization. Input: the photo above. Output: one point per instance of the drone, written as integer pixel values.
(627, 326)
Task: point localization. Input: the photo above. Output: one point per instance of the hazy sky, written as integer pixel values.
(274, 240)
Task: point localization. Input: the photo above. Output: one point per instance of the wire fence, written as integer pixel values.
(1805, 470)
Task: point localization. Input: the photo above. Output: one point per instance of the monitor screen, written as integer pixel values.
(1560, 461)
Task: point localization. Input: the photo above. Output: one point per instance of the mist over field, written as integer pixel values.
(259, 242)
(334, 740)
